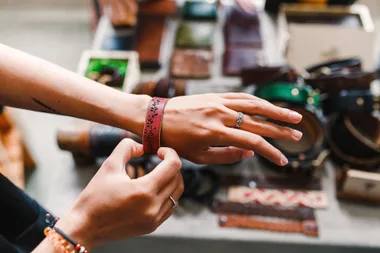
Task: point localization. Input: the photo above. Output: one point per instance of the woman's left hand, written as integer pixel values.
(201, 128)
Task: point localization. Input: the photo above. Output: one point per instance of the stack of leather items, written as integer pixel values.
(193, 56)
(353, 129)
(242, 40)
(15, 159)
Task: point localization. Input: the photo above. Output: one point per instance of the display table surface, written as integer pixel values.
(57, 181)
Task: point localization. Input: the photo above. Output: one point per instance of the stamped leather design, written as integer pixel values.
(287, 198)
(152, 128)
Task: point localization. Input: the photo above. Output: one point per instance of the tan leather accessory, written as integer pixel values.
(158, 8)
(288, 198)
(150, 32)
(191, 63)
(309, 228)
(121, 12)
(359, 185)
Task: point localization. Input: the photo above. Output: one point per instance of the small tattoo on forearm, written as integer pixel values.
(48, 108)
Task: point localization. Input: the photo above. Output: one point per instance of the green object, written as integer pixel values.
(288, 92)
(200, 10)
(195, 35)
(97, 66)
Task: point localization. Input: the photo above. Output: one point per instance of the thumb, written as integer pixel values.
(120, 156)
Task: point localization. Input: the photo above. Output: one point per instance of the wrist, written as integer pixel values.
(75, 226)
(130, 112)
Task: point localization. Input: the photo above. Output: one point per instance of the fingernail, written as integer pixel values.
(248, 154)
(297, 135)
(284, 160)
(295, 115)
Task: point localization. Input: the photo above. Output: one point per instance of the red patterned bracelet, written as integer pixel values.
(153, 122)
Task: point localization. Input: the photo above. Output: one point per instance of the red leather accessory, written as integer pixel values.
(152, 128)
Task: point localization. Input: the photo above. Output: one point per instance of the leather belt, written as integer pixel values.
(165, 88)
(264, 75)
(308, 154)
(332, 66)
(291, 213)
(352, 102)
(309, 228)
(271, 197)
(354, 140)
(290, 93)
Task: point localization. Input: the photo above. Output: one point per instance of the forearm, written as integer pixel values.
(31, 83)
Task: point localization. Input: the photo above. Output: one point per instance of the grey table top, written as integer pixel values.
(57, 181)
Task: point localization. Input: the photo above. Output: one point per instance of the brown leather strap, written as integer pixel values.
(158, 8)
(269, 197)
(262, 75)
(335, 83)
(152, 128)
(309, 228)
(272, 182)
(291, 213)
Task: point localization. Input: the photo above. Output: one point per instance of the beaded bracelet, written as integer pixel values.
(62, 242)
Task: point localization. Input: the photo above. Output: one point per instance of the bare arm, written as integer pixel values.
(31, 83)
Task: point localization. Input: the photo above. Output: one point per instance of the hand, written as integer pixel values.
(113, 206)
(201, 128)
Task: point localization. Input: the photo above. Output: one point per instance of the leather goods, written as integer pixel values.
(359, 185)
(273, 5)
(308, 227)
(351, 102)
(236, 59)
(152, 127)
(165, 8)
(290, 93)
(150, 32)
(195, 35)
(122, 12)
(336, 65)
(308, 154)
(94, 141)
(354, 141)
(237, 35)
(272, 182)
(259, 75)
(291, 213)
(200, 10)
(243, 17)
(165, 88)
(191, 63)
(270, 197)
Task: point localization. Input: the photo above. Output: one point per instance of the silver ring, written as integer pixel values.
(175, 204)
(239, 120)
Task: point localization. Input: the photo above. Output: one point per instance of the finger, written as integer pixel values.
(123, 152)
(250, 141)
(167, 191)
(130, 171)
(263, 108)
(237, 95)
(140, 171)
(165, 171)
(263, 127)
(222, 155)
(166, 216)
(168, 204)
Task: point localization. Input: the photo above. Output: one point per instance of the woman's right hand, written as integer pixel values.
(114, 206)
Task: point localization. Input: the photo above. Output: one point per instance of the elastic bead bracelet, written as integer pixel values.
(61, 241)
(152, 127)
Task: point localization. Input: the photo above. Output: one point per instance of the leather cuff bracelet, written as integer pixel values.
(355, 141)
(309, 228)
(288, 92)
(291, 213)
(352, 102)
(152, 127)
(308, 154)
(286, 198)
